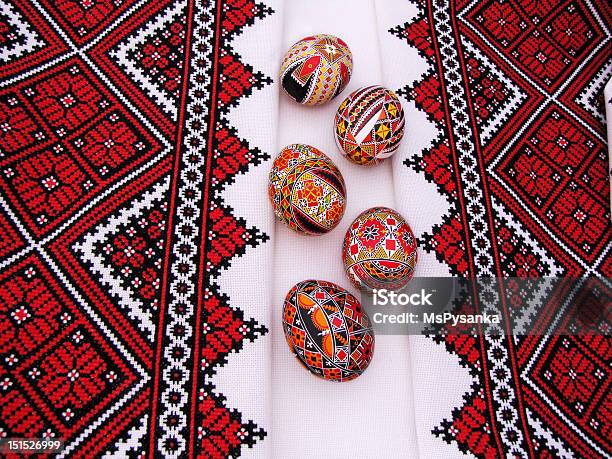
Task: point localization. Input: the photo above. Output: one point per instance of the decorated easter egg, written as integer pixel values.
(379, 250)
(369, 125)
(316, 69)
(327, 330)
(307, 190)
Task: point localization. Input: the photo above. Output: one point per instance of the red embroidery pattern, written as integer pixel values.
(542, 164)
(87, 155)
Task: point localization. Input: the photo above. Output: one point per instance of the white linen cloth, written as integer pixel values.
(390, 410)
(372, 415)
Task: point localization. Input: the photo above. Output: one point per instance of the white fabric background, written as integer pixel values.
(376, 415)
(371, 416)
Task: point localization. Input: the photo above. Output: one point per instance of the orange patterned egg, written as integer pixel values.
(327, 330)
(307, 190)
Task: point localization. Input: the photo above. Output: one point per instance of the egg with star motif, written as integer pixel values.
(379, 250)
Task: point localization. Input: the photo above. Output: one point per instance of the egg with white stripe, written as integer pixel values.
(369, 125)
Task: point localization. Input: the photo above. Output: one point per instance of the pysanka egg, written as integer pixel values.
(327, 330)
(316, 69)
(369, 125)
(379, 250)
(307, 190)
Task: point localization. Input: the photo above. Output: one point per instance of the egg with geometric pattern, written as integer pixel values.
(307, 190)
(369, 125)
(379, 250)
(327, 330)
(316, 69)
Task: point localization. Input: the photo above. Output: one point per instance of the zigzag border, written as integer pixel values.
(200, 327)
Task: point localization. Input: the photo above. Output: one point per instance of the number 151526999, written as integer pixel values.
(31, 445)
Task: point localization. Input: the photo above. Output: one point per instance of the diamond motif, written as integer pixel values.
(50, 350)
(548, 168)
(571, 374)
(65, 119)
(153, 56)
(124, 252)
(545, 39)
